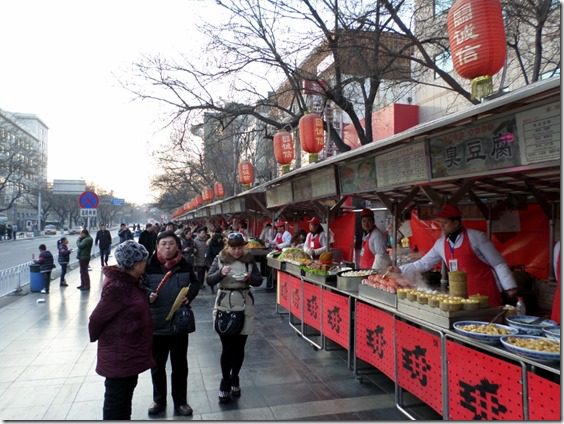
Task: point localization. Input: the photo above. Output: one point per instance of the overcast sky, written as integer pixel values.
(59, 58)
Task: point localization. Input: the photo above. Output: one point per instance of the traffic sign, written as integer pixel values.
(88, 212)
(118, 202)
(88, 200)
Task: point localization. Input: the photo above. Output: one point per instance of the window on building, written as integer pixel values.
(443, 62)
(441, 6)
(555, 72)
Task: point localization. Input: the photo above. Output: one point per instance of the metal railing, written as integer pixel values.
(14, 279)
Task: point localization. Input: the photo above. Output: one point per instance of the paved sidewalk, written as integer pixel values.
(47, 366)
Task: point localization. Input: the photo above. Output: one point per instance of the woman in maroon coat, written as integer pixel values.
(122, 325)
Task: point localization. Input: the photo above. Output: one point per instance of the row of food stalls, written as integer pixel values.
(500, 162)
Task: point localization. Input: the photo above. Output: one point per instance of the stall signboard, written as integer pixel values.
(485, 146)
(279, 195)
(323, 183)
(301, 188)
(539, 133)
(312, 305)
(336, 318)
(408, 164)
(358, 176)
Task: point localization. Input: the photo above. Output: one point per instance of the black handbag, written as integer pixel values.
(229, 323)
(183, 321)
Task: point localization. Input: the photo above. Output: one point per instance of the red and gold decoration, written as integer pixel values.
(246, 174)
(477, 40)
(283, 149)
(218, 190)
(311, 135)
(207, 195)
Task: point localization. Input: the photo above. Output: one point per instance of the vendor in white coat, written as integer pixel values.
(470, 251)
(316, 240)
(282, 238)
(374, 252)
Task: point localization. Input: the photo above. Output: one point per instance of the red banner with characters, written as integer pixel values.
(312, 305)
(336, 318)
(544, 398)
(528, 247)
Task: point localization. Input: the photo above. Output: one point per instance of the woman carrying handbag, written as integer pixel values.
(234, 271)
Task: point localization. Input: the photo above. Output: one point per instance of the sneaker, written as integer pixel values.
(43, 291)
(224, 394)
(235, 388)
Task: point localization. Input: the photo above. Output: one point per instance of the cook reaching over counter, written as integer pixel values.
(470, 251)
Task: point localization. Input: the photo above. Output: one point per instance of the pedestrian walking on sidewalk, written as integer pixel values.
(200, 249)
(46, 265)
(121, 324)
(167, 273)
(63, 258)
(235, 271)
(84, 244)
(104, 238)
(124, 233)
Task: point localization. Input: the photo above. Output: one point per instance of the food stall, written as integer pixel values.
(506, 148)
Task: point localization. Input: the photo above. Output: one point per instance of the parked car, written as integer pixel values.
(50, 230)
(75, 231)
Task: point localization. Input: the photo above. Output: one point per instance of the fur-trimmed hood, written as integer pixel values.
(227, 259)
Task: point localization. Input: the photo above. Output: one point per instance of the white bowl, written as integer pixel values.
(535, 355)
(523, 324)
(491, 339)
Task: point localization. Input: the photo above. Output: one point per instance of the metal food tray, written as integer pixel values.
(378, 295)
(349, 283)
(275, 263)
(293, 269)
(323, 279)
(259, 252)
(442, 318)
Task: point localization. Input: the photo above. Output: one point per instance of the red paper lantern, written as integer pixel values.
(207, 195)
(311, 135)
(477, 40)
(283, 149)
(218, 190)
(246, 173)
(198, 199)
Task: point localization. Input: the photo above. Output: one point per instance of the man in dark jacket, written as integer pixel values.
(124, 233)
(84, 244)
(163, 289)
(46, 265)
(121, 323)
(148, 238)
(104, 237)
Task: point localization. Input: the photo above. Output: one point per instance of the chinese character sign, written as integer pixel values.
(490, 145)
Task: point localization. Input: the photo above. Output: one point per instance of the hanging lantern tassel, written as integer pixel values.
(481, 87)
(285, 168)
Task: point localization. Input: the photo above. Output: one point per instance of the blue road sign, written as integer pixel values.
(88, 200)
(118, 202)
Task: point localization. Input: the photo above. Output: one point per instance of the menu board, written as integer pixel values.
(279, 195)
(405, 165)
(487, 145)
(302, 189)
(358, 176)
(323, 183)
(539, 133)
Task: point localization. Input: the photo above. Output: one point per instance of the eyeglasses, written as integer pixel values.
(235, 236)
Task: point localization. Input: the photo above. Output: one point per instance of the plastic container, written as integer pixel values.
(520, 306)
(35, 278)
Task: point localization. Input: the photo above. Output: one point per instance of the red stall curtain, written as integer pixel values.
(528, 247)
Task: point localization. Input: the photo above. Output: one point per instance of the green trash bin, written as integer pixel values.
(35, 278)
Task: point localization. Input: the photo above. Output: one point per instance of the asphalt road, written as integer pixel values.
(16, 252)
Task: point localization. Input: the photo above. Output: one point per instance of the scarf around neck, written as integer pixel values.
(169, 263)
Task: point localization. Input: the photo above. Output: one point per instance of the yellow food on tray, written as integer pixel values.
(542, 345)
(255, 244)
(295, 255)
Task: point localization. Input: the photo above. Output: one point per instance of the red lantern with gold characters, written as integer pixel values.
(311, 135)
(218, 190)
(283, 149)
(477, 41)
(246, 173)
(207, 195)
